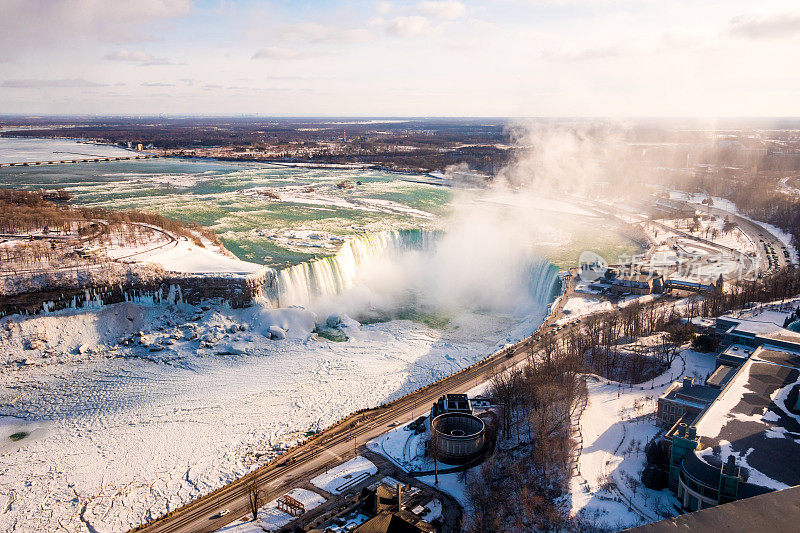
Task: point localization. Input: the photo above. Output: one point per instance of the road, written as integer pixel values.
(339, 442)
(711, 245)
(756, 232)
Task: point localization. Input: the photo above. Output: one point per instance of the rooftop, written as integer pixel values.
(780, 510)
(721, 376)
(752, 419)
(698, 394)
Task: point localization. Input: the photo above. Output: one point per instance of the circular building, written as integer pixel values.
(457, 438)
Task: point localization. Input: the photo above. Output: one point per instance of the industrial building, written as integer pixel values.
(451, 403)
(458, 436)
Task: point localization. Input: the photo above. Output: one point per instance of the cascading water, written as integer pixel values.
(329, 276)
(304, 283)
(543, 281)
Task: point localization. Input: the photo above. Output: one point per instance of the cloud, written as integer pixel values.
(156, 84)
(587, 54)
(61, 83)
(142, 58)
(29, 24)
(447, 10)
(318, 33)
(410, 26)
(776, 27)
(383, 8)
(275, 52)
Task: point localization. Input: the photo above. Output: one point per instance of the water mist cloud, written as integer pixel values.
(486, 256)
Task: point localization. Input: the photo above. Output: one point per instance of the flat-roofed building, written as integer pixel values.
(739, 445)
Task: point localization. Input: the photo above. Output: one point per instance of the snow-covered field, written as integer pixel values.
(182, 255)
(615, 426)
(134, 410)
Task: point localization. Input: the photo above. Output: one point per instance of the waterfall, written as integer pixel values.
(543, 281)
(328, 276)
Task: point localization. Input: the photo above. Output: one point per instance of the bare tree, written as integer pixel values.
(254, 499)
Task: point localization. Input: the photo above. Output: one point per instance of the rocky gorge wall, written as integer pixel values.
(169, 287)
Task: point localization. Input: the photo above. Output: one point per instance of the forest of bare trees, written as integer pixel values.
(517, 488)
(25, 212)
(45, 242)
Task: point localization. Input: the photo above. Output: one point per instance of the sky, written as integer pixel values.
(509, 58)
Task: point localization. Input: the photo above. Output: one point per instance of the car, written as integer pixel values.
(393, 424)
(223, 512)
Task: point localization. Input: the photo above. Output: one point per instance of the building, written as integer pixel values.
(451, 403)
(695, 286)
(756, 329)
(395, 522)
(684, 400)
(637, 284)
(737, 446)
(776, 511)
(386, 500)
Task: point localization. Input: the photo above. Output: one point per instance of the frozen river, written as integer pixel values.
(22, 150)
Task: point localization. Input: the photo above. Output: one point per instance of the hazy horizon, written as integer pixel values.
(504, 58)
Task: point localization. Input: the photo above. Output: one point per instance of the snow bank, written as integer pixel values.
(186, 257)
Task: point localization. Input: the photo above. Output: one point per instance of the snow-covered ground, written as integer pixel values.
(182, 255)
(345, 476)
(137, 409)
(616, 424)
(270, 518)
(580, 306)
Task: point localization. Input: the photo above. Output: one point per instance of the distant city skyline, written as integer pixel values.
(609, 58)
